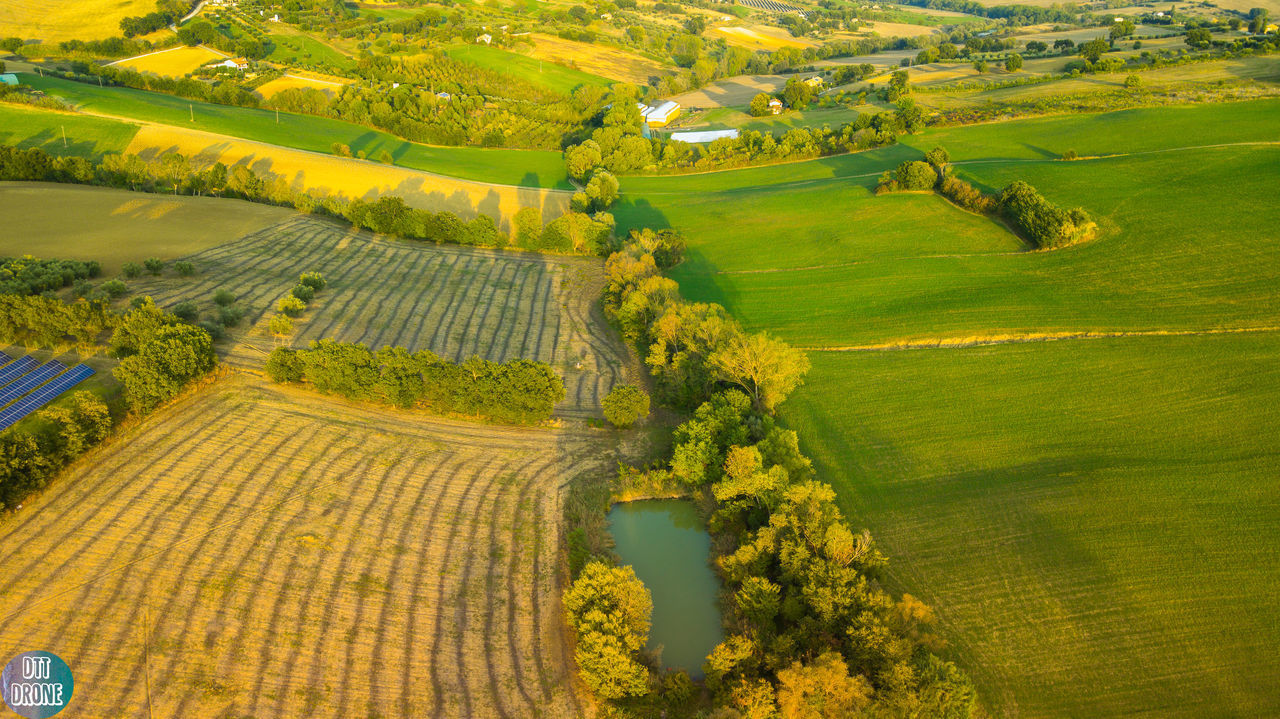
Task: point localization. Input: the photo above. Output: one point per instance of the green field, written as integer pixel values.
(88, 137)
(306, 52)
(1093, 518)
(547, 74)
(531, 168)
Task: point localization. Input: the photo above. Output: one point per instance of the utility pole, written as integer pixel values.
(64, 136)
(277, 116)
(192, 109)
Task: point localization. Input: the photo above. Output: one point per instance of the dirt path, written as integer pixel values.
(980, 341)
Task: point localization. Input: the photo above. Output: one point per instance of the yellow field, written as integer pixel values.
(174, 62)
(258, 551)
(58, 20)
(599, 60)
(115, 227)
(337, 176)
(758, 37)
(324, 83)
(733, 92)
(900, 29)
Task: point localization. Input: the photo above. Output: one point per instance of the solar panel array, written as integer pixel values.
(45, 394)
(30, 381)
(10, 372)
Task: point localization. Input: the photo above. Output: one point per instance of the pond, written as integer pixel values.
(669, 547)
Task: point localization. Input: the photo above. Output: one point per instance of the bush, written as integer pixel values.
(291, 306)
(214, 329)
(131, 270)
(314, 280)
(303, 292)
(184, 268)
(281, 325)
(284, 365)
(223, 298)
(114, 288)
(230, 316)
(154, 265)
(625, 404)
(1041, 222)
(1132, 81)
(917, 175)
(609, 608)
(186, 311)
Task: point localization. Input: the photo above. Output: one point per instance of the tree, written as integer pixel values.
(759, 106)
(1063, 44)
(184, 268)
(291, 306)
(1013, 63)
(281, 326)
(797, 93)
(625, 404)
(937, 157)
(131, 270)
(823, 688)
(154, 265)
(1199, 38)
(768, 369)
(1036, 46)
(1132, 81)
(609, 608)
(980, 65)
(1122, 29)
(284, 365)
(581, 159)
(917, 176)
(602, 190)
(174, 355)
(224, 298)
(898, 85)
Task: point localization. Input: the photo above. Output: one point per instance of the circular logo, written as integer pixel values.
(36, 685)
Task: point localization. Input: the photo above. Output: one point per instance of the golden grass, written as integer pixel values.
(900, 29)
(601, 60)
(758, 37)
(337, 176)
(258, 551)
(174, 62)
(115, 226)
(58, 20)
(294, 79)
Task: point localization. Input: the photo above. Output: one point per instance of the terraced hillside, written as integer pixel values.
(253, 551)
(454, 301)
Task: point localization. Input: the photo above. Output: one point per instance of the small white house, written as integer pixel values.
(275, 18)
(485, 38)
(234, 63)
(775, 106)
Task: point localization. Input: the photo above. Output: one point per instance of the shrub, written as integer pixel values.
(223, 298)
(609, 609)
(625, 404)
(186, 311)
(131, 270)
(291, 306)
(1044, 224)
(314, 280)
(281, 325)
(1132, 81)
(184, 268)
(214, 329)
(114, 288)
(303, 292)
(230, 316)
(916, 175)
(154, 265)
(284, 365)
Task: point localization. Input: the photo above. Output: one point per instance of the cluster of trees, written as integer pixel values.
(694, 349)
(164, 16)
(39, 321)
(225, 92)
(609, 610)
(1041, 223)
(159, 355)
(29, 275)
(573, 232)
(625, 404)
(295, 303)
(32, 452)
(520, 390)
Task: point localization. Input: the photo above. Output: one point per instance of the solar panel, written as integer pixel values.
(10, 372)
(44, 395)
(28, 382)
(5, 359)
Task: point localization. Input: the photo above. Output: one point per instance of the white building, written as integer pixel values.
(660, 115)
(704, 135)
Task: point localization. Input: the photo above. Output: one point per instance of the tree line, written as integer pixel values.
(518, 391)
(1042, 224)
(172, 173)
(29, 275)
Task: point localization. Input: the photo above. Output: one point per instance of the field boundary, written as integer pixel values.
(965, 342)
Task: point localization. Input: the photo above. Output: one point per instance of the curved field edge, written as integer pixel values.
(266, 552)
(526, 168)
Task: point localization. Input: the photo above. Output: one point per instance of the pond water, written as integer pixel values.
(669, 547)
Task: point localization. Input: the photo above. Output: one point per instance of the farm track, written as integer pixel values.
(454, 301)
(279, 554)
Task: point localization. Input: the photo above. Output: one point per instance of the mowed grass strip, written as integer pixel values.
(87, 137)
(531, 168)
(540, 72)
(1073, 508)
(174, 62)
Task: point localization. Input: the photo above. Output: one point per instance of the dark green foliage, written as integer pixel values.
(28, 275)
(186, 311)
(154, 265)
(161, 355)
(32, 451)
(303, 292)
(520, 390)
(223, 298)
(216, 330)
(314, 280)
(230, 316)
(131, 270)
(114, 289)
(917, 175)
(625, 404)
(184, 268)
(284, 365)
(1041, 222)
(36, 321)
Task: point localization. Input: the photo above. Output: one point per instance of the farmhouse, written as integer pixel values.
(704, 135)
(660, 115)
(815, 82)
(235, 63)
(775, 106)
(485, 38)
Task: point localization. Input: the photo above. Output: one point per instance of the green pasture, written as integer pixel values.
(88, 137)
(306, 51)
(532, 168)
(547, 74)
(1095, 521)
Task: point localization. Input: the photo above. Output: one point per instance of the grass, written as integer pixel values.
(306, 51)
(1069, 507)
(52, 21)
(547, 74)
(177, 62)
(532, 168)
(88, 137)
(1073, 507)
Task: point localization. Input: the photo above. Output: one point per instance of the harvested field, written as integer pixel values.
(454, 301)
(253, 551)
(58, 20)
(338, 176)
(900, 29)
(116, 226)
(733, 92)
(758, 37)
(324, 83)
(174, 62)
(602, 60)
